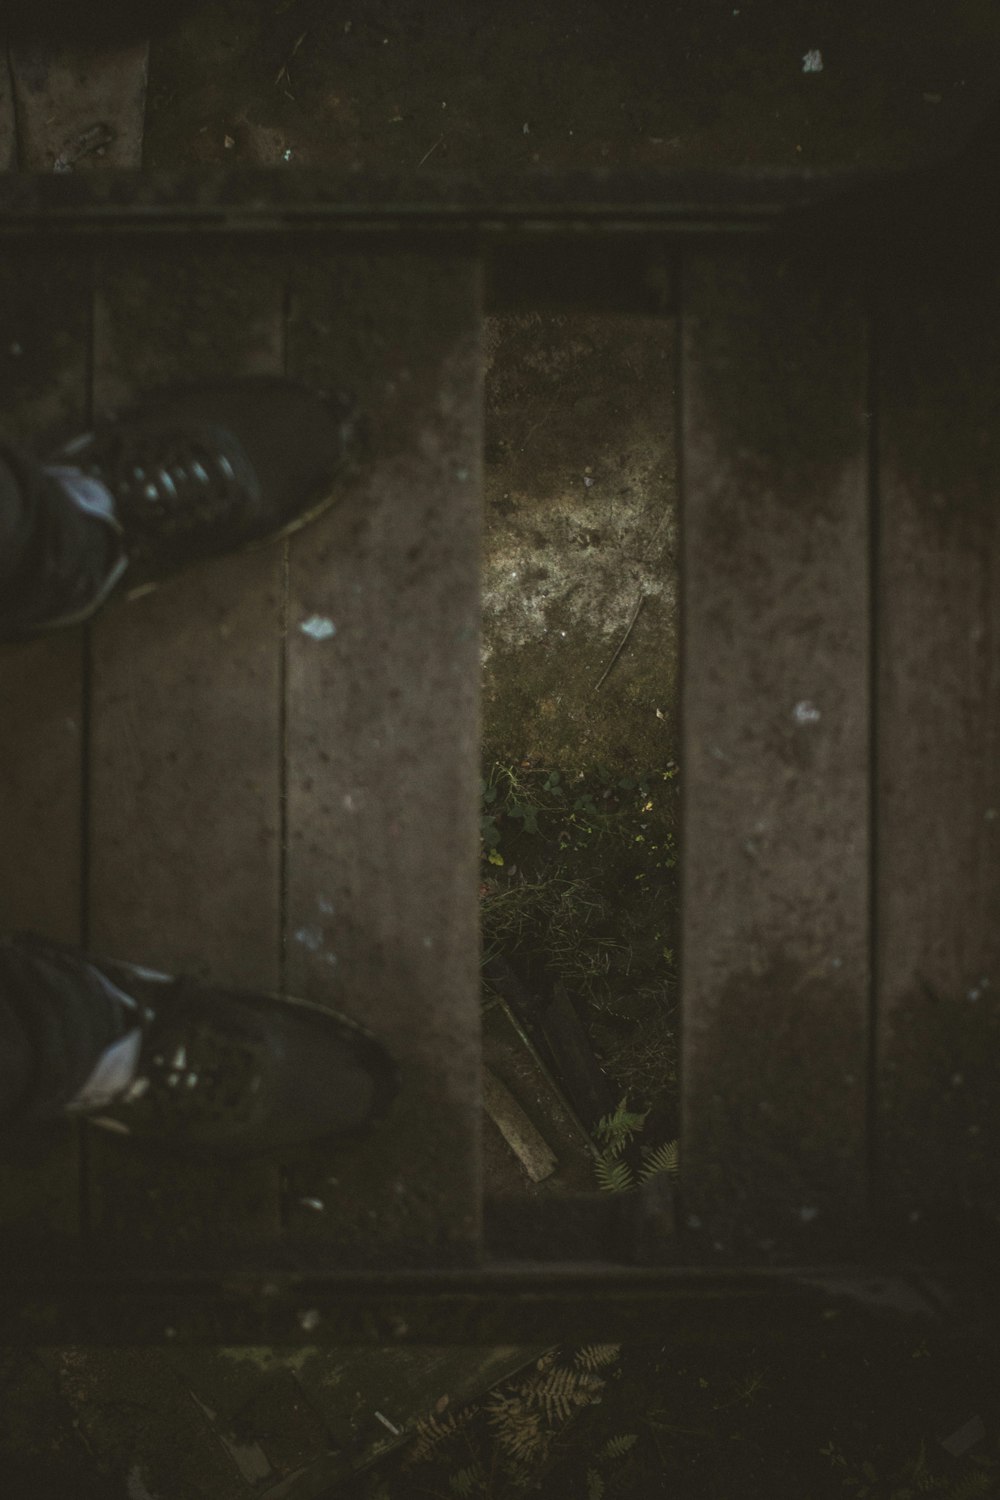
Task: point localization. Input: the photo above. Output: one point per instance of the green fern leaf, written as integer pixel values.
(559, 1391)
(664, 1159)
(614, 1176)
(595, 1485)
(596, 1356)
(431, 1431)
(616, 1130)
(617, 1447)
(466, 1480)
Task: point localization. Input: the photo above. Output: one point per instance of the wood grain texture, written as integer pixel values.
(8, 129)
(44, 356)
(939, 740)
(79, 110)
(383, 744)
(186, 731)
(776, 750)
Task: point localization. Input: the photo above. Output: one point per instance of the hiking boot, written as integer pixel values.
(201, 470)
(201, 1067)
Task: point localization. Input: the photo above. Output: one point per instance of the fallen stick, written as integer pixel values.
(531, 1150)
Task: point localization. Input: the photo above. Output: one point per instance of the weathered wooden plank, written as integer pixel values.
(775, 715)
(8, 129)
(44, 353)
(382, 737)
(185, 784)
(939, 739)
(79, 109)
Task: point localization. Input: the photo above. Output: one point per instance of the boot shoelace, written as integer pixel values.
(170, 480)
(213, 1077)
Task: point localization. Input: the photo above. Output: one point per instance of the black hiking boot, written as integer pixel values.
(200, 1067)
(195, 472)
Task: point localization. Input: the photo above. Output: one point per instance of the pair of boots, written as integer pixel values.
(194, 473)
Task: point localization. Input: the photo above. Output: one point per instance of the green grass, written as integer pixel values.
(579, 887)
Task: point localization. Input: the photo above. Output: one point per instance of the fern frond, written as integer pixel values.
(596, 1356)
(613, 1176)
(502, 1407)
(465, 1481)
(665, 1158)
(548, 1359)
(617, 1129)
(595, 1485)
(431, 1431)
(975, 1483)
(519, 1431)
(559, 1391)
(617, 1447)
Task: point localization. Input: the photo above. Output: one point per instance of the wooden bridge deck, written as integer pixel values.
(196, 780)
(199, 783)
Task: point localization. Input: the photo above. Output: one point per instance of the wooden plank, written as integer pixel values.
(185, 786)
(44, 353)
(383, 752)
(79, 109)
(775, 723)
(939, 739)
(8, 129)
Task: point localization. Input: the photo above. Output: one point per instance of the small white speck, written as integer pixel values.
(805, 712)
(228, 142)
(137, 1090)
(286, 155)
(525, 128)
(314, 1203)
(179, 1059)
(310, 937)
(325, 905)
(973, 994)
(957, 1079)
(808, 1214)
(309, 1319)
(391, 1425)
(118, 1126)
(173, 1079)
(588, 481)
(191, 1080)
(348, 802)
(331, 959)
(513, 573)
(319, 627)
(812, 62)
